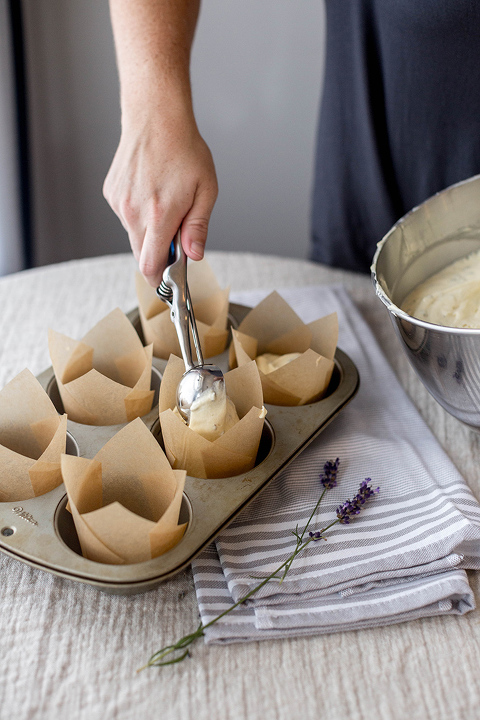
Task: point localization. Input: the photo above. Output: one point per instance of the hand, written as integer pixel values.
(162, 176)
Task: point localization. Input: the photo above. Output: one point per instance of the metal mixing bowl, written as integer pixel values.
(436, 233)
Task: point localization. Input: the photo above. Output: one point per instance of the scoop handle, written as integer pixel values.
(174, 283)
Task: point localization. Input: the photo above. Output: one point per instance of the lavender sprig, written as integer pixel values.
(329, 476)
(350, 508)
(345, 513)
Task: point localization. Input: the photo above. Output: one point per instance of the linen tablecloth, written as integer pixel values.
(71, 651)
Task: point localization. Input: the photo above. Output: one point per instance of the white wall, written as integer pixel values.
(256, 75)
(75, 125)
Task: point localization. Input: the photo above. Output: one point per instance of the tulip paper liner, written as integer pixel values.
(210, 305)
(125, 502)
(273, 327)
(32, 439)
(232, 453)
(105, 378)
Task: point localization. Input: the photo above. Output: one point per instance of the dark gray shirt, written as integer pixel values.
(399, 120)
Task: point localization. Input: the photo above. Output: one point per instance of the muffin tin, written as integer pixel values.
(41, 532)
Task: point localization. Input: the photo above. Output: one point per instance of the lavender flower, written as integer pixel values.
(346, 512)
(315, 535)
(328, 477)
(365, 492)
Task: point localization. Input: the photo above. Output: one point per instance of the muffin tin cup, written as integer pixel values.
(41, 533)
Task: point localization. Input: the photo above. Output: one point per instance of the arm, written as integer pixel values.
(162, 174)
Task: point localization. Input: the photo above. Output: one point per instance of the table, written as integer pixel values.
(71, 651)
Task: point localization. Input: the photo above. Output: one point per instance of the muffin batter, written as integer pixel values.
(451, 297)
(212, 414)
(268, 362)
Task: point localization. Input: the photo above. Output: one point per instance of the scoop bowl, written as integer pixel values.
(194, 383)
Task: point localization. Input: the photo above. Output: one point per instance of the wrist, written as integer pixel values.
(157, 102)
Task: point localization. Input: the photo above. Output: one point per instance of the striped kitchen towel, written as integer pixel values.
(403, 557)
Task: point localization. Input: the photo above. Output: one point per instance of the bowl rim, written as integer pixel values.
(382, 295)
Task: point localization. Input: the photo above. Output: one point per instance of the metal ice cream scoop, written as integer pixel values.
(173, 290)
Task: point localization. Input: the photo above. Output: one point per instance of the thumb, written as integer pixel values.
(195, 228)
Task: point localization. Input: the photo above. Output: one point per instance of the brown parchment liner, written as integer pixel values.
(105, 378)
(125, 502)
(32, 439)
(273, 327)
(232, 453)
(210, 305)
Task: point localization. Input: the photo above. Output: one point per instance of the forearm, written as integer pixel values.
(153, 40)
(162, 176)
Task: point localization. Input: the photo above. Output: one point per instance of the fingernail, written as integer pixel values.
(197, 249)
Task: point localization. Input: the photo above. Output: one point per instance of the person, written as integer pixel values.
(399, 120)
